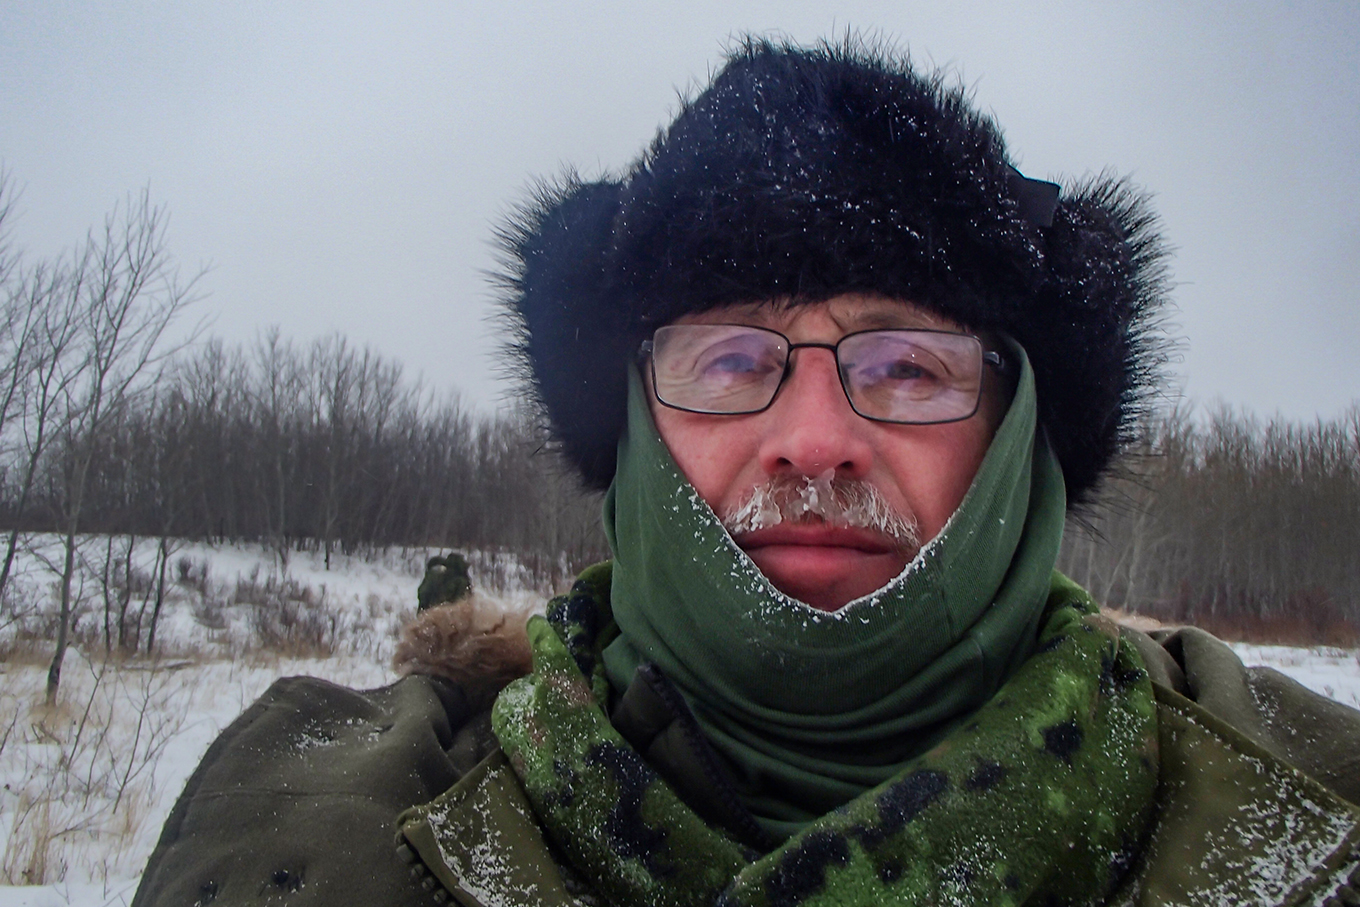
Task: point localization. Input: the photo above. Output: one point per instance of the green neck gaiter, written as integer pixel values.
(808, 708)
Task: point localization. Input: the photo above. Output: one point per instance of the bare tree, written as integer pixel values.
(16, 318)
(47, 367)
(338, 376)
(126, 291)
(1242, 526)
(170, 450)
(276, 414)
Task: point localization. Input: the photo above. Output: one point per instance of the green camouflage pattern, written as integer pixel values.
(1043, 797)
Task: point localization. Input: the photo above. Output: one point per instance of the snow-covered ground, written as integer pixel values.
(88, 830)
(1334, 673)
(88, 782)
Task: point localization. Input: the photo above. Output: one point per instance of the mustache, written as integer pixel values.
(828, 498)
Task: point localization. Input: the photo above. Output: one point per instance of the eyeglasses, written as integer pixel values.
(917, 377)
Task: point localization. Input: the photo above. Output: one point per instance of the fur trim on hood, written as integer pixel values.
(477, 642)
(800, 174)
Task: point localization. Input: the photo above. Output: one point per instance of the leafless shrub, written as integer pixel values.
(209, 611)
(1307, 618)
(192, 574)
(88, 764)
(19, 603)
(500, 571)
(287, 617)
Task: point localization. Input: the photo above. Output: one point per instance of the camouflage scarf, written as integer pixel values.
(1041, 797)
(811, 709)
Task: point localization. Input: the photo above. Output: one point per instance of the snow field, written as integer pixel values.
(88, 782)
(1335, 673)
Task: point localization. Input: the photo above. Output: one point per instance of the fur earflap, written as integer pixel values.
(477, 642)
(800, 174)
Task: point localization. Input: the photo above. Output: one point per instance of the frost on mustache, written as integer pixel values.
(825, 498)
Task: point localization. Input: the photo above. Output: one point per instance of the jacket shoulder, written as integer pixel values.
(1237, 825)
(1317, 735)
(297, 796)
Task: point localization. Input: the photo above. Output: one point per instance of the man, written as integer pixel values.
(842, 369)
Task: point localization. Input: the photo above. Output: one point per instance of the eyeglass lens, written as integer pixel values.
(912, 376)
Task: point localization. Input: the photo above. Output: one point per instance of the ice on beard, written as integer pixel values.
(798, 499)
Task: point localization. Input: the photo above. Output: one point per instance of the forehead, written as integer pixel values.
(848, 312)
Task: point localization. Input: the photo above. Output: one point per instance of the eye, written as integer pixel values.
(732, 363)
(896, 366)
(911, 376)
(904, 370)
(740, 358)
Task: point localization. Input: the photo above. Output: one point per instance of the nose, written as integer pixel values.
(810, 427)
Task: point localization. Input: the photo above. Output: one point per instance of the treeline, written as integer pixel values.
(1247, 527)
(107, 424)
(320, 445)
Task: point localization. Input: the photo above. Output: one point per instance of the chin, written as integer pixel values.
(828, 581)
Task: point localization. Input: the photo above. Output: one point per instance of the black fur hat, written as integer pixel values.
(801, 174)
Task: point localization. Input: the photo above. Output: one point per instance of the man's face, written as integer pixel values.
(921, 471)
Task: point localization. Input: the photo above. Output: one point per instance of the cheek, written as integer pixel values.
(933, 477)
(713, 454)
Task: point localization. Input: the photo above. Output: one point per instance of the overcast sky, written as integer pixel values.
(341, 166)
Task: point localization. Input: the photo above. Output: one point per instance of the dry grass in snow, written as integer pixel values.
(88, 782)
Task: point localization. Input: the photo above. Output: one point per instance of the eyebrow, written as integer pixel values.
(777, 315)
(887, 319)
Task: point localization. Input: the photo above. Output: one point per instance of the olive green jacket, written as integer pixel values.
(322, 795)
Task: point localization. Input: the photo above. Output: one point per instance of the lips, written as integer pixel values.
(822, 565)
(818, 535)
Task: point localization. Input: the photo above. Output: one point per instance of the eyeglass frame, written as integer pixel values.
(991, 357)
